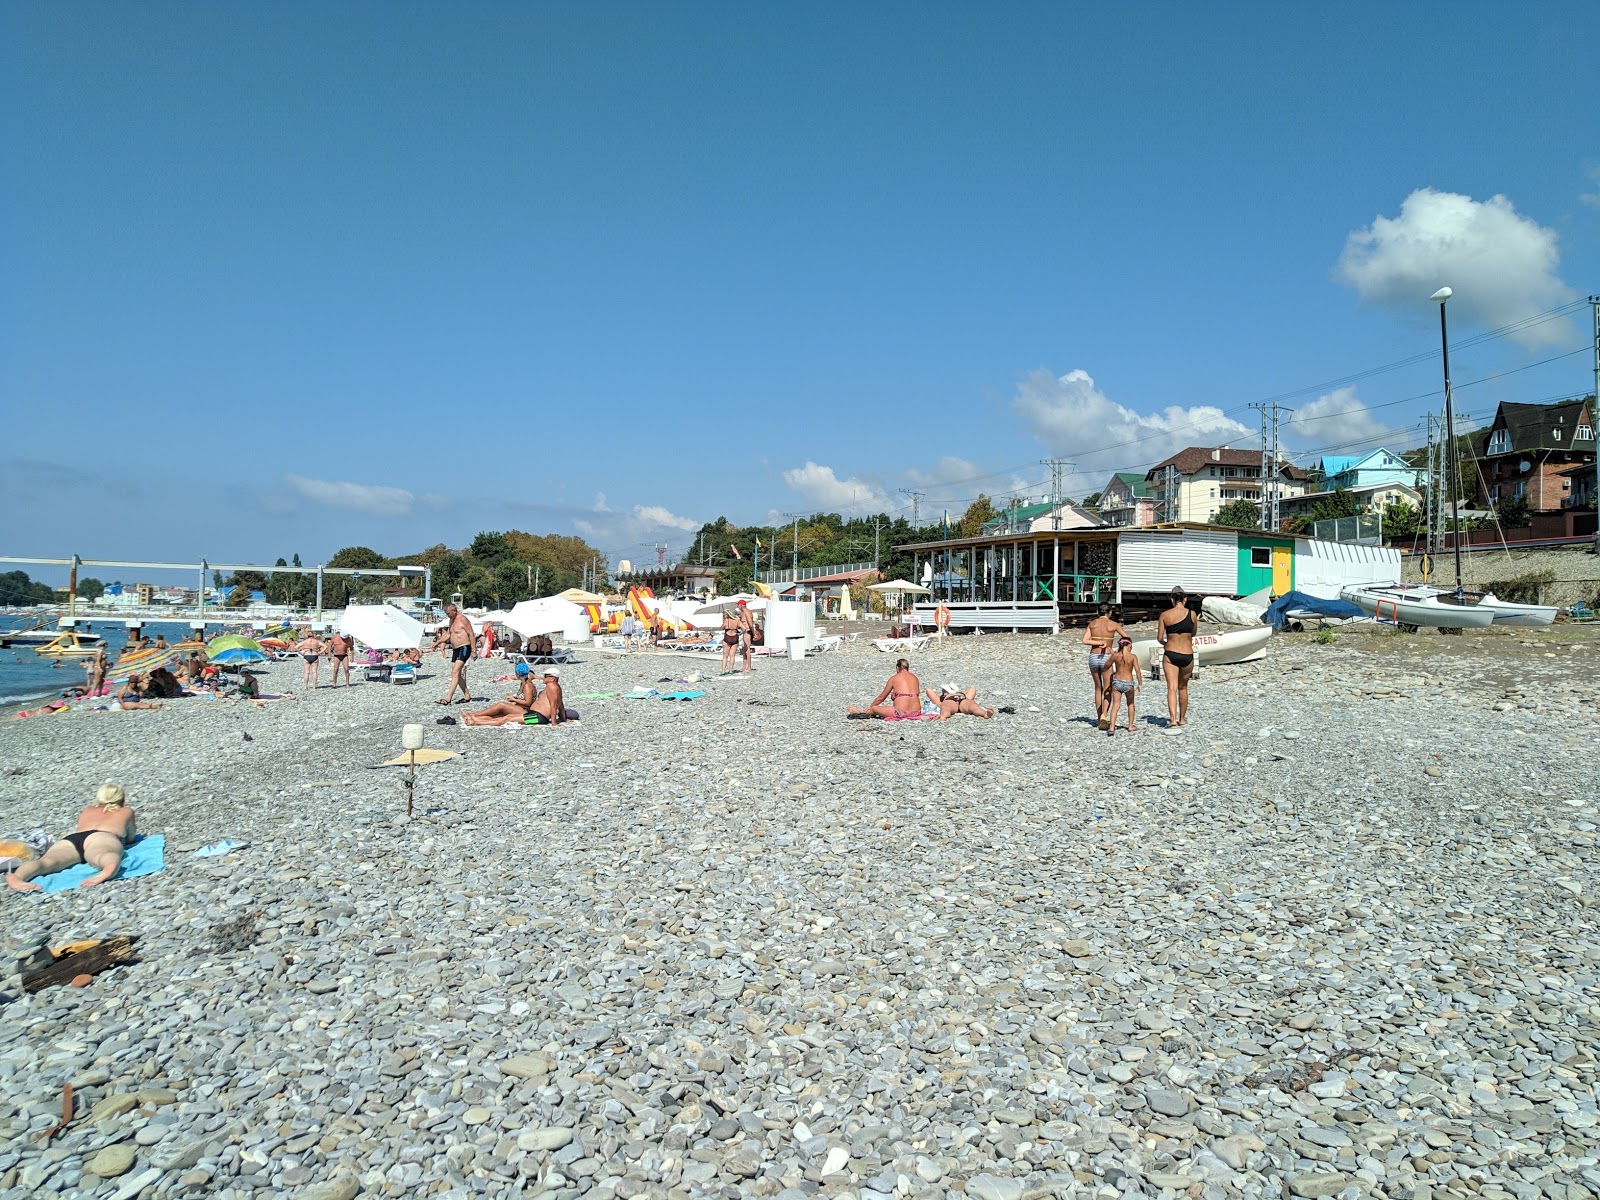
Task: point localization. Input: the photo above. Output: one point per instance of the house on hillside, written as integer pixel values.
(1197, 481)
(1373, 497)
(1127, 501)
(1042, 518)
(1352, 471)
(1527, 451)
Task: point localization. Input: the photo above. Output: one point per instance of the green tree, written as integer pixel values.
(1239, 514)
(250, 581)
(278, 590)
(979, 512)
(17, 588)
(1401, 520)
(1514, 513)
(358, 556)
(1340, 504)
(490, 547)
(91, 589)
(1092, 500)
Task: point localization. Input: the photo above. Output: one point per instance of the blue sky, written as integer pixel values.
(284, 278)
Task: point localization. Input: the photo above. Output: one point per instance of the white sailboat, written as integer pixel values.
(1416, 605)
(1419, 605)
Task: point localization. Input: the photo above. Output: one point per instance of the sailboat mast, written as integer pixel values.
(1452, 461)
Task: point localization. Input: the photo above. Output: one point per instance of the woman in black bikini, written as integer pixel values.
(1176, 633)
(105, 830)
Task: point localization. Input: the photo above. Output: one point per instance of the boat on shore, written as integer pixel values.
(1507, 612)
(1417, 605)
(1212, 649)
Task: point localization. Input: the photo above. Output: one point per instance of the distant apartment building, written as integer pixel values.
(1529, 450)
(1195, 483)
(1127, 502)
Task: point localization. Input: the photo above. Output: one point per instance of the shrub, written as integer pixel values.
(1524, 589)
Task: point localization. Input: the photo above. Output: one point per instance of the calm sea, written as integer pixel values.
(26, 676)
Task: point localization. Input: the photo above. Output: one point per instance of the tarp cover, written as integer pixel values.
(1231, 612)
(1277, 612)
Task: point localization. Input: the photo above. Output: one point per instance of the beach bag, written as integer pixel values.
(758, 636)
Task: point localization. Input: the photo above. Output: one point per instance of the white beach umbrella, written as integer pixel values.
(722, 603)
(896, 585)
(532, 618)
(381, 626)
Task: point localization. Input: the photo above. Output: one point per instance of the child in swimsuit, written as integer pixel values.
(105, 829)
(1125, 683)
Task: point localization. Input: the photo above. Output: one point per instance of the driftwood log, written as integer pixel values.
(90, 961)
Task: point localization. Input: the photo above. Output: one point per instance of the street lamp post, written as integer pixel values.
(1442, 297)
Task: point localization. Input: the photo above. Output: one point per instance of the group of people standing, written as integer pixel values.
(1114, 668)
(740, 634)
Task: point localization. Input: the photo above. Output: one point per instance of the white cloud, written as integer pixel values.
(1592, 199)
(1338, 421)
(1500, 265)
(659, 517)
(822, 488)
(948, 470)
(1077, 421)
(377, 499)
(600, 505)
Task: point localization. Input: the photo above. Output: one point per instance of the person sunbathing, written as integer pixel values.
(105, 830)
(513, 708)
(550, 708)
(901, 696)
(953, 700)
(132, 695)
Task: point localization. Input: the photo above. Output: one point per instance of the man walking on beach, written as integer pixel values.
(461, 641)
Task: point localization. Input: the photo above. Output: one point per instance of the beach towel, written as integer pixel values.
(682, 695)
(223, 847)
(639, 693)
(144, 857)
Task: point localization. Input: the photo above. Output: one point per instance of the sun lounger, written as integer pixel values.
(558, 657)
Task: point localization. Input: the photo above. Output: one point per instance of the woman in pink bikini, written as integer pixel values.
(901, 696)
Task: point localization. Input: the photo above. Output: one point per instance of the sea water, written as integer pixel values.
(26, 676)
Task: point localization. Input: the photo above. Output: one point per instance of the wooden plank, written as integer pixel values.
(100, 957)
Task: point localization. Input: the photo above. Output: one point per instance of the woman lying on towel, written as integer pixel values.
(900, 700)
(105, 830)
(952, 700)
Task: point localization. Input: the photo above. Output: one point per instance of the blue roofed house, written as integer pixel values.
(1375, 480)
(1352, 471)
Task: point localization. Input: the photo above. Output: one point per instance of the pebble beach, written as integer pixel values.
(1334, 938)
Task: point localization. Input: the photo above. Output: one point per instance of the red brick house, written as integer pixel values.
(1529, 449)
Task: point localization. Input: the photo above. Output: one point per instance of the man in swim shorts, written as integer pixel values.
(550, 707)
(460, 638)
(339, 647)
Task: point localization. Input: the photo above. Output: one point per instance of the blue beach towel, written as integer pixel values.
(683, 695)
(144, 857)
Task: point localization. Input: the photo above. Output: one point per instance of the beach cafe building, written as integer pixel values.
(1041, 579)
